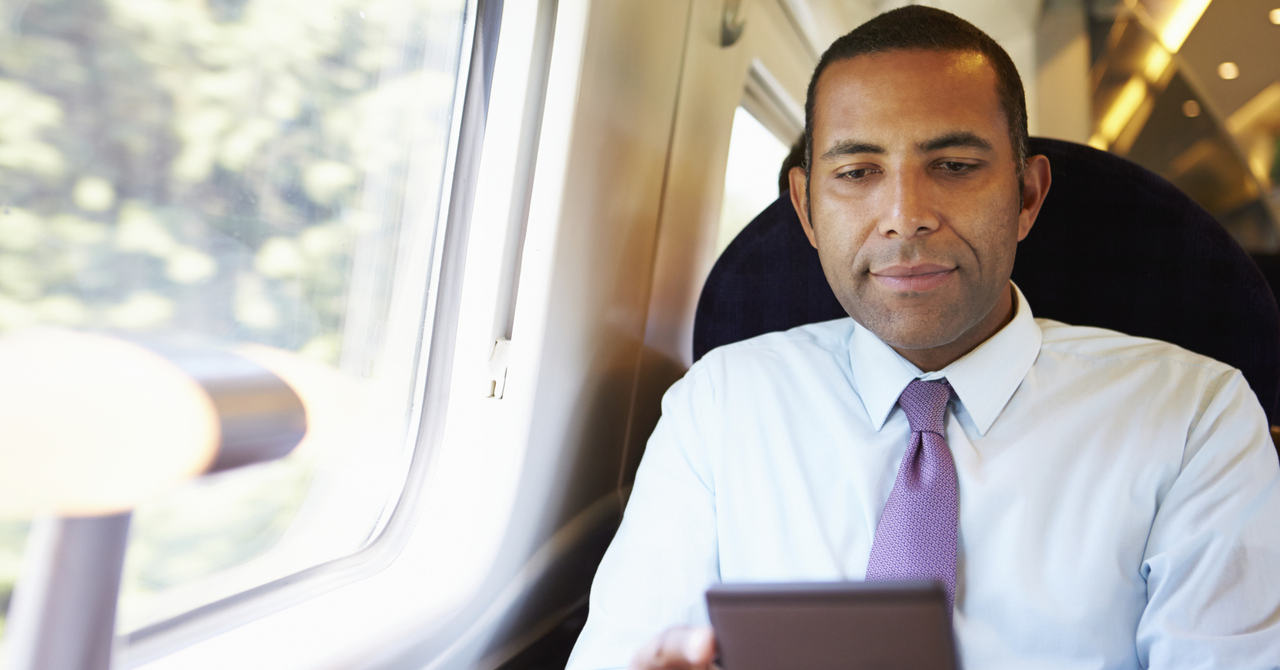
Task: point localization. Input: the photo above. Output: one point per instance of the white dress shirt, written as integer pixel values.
(1119, 496)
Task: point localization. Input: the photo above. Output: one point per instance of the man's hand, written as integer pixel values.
(679, 648)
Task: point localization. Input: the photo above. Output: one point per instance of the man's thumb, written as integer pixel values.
(700, 646)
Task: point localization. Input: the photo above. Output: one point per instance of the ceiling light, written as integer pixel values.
(1253, 113)
(1156, 62)
(1228, 70)
(1191, 108)
(1180, 22)
(1123, 109)
(1274, 15)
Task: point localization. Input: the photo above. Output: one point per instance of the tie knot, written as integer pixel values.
(925, 403)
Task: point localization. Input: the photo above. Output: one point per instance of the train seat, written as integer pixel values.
(1115, 246)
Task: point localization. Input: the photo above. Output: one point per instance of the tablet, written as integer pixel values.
(832, 626)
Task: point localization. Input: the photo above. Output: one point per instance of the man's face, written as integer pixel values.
(914, 197)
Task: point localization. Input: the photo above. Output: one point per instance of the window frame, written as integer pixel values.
(477, 48)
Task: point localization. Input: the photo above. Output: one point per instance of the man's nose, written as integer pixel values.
(908, 211)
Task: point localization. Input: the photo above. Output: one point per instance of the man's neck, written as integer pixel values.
(936, 358)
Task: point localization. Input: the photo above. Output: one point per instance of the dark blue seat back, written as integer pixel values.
(1115, 246)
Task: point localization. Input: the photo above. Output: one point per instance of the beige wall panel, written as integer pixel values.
(603, 254)
(710, 90)
(1062, 90)
(772, 38)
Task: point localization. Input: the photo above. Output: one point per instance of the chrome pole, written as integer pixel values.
(62, 616)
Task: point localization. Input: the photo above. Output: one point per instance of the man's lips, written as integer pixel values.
(913, 277)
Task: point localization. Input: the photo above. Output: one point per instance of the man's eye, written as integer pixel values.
(955, 166)
(855, 174)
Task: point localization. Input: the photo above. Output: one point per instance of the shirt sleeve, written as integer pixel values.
(1212, 562)
(656, 571)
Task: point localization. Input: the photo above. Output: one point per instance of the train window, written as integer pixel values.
(264, 173)
(751, 176)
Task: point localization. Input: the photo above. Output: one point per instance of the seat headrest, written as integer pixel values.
(1115, 246)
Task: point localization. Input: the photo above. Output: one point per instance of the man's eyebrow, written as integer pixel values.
(953, 140)
(848, 147)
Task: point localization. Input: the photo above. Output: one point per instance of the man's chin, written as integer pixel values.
(916, 341)
(912, 329)
(918, 322)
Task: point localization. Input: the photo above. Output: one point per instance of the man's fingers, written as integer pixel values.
(671, 648)
(646, 655)
(700, 646)
(677, 649)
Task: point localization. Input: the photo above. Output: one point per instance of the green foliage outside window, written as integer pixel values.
(211, 167)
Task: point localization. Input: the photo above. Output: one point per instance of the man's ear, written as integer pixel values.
(799, 200)
(1035, 186)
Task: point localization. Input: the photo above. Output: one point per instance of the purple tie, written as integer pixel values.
(916, 537)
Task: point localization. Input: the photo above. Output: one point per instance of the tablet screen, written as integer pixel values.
(832, 626)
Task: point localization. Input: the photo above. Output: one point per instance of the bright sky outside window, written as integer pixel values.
(261, 173)
(751, 177)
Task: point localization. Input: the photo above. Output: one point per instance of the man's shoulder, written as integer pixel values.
(786, 362)
(815, 340)
(1101, 344)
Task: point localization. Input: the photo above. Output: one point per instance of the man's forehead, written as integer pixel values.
(912, 96)
(912, 63)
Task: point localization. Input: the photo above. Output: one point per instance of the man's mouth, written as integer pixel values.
(913, 278)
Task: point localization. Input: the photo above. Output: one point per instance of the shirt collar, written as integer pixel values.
(983, 379)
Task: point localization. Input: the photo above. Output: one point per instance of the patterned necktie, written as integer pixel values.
(916, 537)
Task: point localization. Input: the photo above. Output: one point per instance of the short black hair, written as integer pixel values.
(918, 27)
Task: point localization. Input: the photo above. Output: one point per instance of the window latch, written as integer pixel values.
(498, 367)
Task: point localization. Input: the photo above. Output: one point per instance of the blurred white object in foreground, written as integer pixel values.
(90, 426)
(93, 425)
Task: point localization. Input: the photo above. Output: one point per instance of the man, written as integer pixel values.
(1091, 500)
